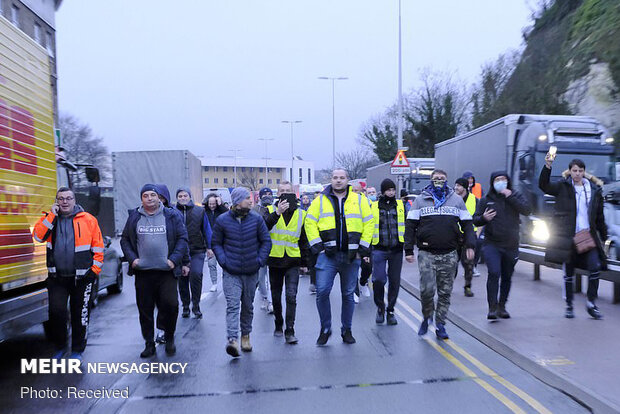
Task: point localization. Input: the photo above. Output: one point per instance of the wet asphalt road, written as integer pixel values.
(389, 369)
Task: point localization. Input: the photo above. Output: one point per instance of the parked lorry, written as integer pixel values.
(414, 182)
(518, 144)
(133, 169)
(31, 169)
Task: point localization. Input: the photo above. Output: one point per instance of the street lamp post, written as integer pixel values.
(266, 155)
(292, 153)
(400, 93)
(235, 151)
(333, 79)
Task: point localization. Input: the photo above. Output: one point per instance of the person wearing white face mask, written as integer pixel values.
(499, 212)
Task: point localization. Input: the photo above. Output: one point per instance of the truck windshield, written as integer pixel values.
(600, 165)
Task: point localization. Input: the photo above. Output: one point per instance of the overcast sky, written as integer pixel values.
(210, 76)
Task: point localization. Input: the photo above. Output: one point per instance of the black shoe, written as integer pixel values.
(440, 332)
(278, 332)
(502, 312)
(380, 317)
(569, 313)
(290, 337)
(423, 327)
(469, 293)
(391, 319)
(197, 312)
(323, 337)
(594, 312)
(185, 313)
(347, 337)
(171, 348)
(492, 312)
(149, 350)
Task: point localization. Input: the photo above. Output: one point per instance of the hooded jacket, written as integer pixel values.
(436, 229)
(503, 230)
(560, 247)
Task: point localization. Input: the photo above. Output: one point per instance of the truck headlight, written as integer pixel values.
(540, 230)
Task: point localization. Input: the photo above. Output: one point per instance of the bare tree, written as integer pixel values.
(356, 161)
(250, 179)
(83, 147)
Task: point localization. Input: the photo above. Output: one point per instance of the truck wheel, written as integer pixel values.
(118, 286)
(94, 294)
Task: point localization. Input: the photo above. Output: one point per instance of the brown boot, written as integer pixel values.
(246, 346)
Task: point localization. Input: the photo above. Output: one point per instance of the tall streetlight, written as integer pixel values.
(292, 153)
(266, 154)
(333, 79)
(235, 151)
(400, 92)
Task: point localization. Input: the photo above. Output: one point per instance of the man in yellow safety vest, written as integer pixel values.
(290, 252)
(339, 226)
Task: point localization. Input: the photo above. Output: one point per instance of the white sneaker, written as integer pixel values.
(365, 291)
(476, 273)
(270, 308)
(213, 288)
(356, 298)
(265, 304)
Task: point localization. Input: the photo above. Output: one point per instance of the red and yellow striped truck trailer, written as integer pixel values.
(29, 175)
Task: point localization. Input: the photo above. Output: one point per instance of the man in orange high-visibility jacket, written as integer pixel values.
(74, 260)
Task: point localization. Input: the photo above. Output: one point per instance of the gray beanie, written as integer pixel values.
(186, 189)
(239, 194)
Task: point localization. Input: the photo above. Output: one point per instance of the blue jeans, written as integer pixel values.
(192, 283)
(393, 260)
(501, 265)
(263, 277)
(326, 269)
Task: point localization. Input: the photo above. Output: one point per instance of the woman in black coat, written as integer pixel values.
(578, 206)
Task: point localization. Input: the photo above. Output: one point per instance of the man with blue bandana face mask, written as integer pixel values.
(498, 212)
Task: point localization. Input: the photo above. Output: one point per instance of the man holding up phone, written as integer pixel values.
(289, 254)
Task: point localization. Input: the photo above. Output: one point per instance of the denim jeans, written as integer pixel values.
(393, 260)
(239, 292)
(589, 261)
(192, 282)
(263, 275)
(288, 278)
(326, 269)
(501, 265)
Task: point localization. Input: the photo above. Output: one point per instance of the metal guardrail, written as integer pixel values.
(536, 256)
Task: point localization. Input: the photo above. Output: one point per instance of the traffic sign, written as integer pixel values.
(400, 165)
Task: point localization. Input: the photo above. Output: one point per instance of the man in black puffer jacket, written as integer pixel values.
(241, 244)
(499, 212)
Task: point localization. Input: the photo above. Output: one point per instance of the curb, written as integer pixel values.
(582, 395)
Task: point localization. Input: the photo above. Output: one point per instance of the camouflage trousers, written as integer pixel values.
(437, 272)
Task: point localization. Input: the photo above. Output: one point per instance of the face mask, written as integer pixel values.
(242, 211)
(266, 200)
(500, 186)
(439, 183)
(373, 197)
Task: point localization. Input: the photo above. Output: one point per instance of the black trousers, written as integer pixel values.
(589, 261)
(289, 278)
(501, 265)
(77, 291)
(157, 288)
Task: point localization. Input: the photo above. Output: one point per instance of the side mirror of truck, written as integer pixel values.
(94, 200)
(92, 174)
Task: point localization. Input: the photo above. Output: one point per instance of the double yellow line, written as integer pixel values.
(470, 373)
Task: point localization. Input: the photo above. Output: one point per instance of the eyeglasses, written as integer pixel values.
(62, 199)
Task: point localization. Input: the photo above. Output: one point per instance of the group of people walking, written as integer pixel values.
(341, 231)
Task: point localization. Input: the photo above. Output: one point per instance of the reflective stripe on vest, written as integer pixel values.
(400, 218)
(354, 219)
(285, 238)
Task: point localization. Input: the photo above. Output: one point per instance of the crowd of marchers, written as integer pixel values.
(344, 230)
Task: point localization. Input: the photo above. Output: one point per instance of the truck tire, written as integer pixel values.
(118, 286)
(94, 295)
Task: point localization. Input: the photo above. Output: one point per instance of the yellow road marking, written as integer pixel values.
(488, 387)
(485, 369)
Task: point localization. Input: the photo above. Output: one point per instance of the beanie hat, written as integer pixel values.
(468, 174)
(386, 185)
(462, 182)
(264, 191)
(239, 194)
(148, 187)
(186, 189)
